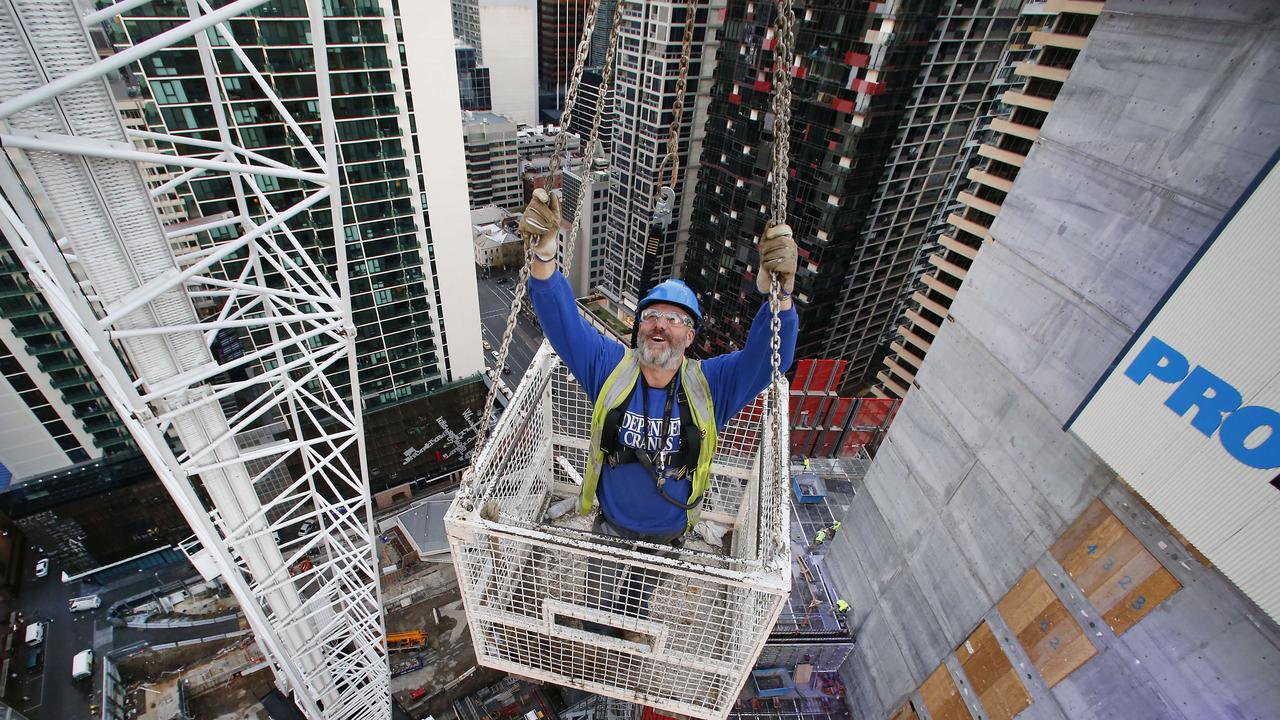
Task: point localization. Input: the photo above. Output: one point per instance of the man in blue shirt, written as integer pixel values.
(646, 487)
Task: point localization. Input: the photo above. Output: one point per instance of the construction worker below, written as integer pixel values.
(656, 413)
(842, 607)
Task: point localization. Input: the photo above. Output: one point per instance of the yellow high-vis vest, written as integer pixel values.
(617, 388)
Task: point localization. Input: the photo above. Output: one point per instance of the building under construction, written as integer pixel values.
(1072, 515)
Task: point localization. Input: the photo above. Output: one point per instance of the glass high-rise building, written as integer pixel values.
(646, 70)
(398, 294)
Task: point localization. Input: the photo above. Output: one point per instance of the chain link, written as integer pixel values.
(588, 158)
(672, 159)
(584, 196)
(784, 33)
(571, 92)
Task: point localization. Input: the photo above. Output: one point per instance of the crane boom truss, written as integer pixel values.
(262, 453)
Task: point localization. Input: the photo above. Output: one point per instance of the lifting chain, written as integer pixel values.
(784, 33)
(672, 159)
(584, 196)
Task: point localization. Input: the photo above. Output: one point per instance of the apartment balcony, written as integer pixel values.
(977, 203)
(955, 245)
(923, 322)
(900, 370)
(1020, 99)
(60, 364)
(906, 355)
(929, 304)
(1078, 7)
(969, 226)
(1026, 132)
(73, 381)
(894, 386)
(1044, 72)
(1004, 156)
(936, 285)
(1071, 42)
(993, 181)
(910, 335)
(948, 267)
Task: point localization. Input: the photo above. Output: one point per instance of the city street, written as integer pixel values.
(495, 304)
(51, 693)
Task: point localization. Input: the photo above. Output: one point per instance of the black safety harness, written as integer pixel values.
(657, 463)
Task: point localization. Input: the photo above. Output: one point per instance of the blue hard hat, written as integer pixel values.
(673, 292)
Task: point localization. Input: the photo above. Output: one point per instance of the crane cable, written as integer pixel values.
(561, 146)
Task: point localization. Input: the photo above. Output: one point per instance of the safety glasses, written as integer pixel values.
(670, 318)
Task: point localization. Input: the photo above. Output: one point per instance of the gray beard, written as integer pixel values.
(667, 358)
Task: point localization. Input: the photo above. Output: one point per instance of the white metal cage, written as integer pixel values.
(538, 594)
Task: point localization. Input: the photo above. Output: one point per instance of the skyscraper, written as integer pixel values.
(52, 411)
(559, 30)
(399, 288)
(493, 162)
(856, 70)
(1042, 48)
(473, 79)
(951, 96)
(646, 71)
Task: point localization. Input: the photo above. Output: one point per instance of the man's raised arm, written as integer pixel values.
(587, 353)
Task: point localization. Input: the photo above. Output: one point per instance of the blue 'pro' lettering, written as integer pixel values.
(1250, 434)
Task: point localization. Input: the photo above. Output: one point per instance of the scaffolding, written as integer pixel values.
(78, 212)
(534, 589)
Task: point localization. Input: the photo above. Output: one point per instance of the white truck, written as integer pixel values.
(82, 665)
(35, 634)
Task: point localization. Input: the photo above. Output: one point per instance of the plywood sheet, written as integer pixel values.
(1143, 599)
(992, 675)
(1121, 579)
(1054, 641)
(942, 698)
(906, 712)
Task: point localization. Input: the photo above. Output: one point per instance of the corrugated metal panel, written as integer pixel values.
(1224, 317)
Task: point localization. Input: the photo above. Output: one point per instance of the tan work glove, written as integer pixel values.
(777, 256)
(540, 224)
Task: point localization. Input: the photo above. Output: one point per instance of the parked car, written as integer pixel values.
(87, 602)
(35, 634)
(506, 369)
(487, 347)
(42, 567)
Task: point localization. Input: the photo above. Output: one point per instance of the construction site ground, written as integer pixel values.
(449, 668)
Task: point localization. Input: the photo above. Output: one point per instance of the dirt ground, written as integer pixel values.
(237, 699)
(150, 664)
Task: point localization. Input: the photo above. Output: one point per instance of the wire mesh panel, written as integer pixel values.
(545, 598)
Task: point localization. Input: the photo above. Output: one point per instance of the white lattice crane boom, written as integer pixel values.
(78, 212)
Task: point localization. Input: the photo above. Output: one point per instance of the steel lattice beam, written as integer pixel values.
(78, 212)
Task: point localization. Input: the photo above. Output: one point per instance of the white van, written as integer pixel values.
(82, 665)
(35, 634)
(88, 602)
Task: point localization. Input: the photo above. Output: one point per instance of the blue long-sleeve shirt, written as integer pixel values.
(628, 494)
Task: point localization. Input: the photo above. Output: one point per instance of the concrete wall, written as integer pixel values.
(429, 48)
(1168, 115)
